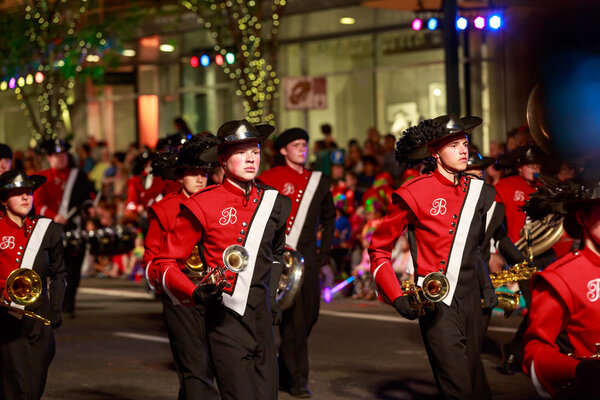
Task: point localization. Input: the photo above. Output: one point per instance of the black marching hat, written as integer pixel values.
(5, 151)
(477, 161)
(18, 179)
(529, 154)
(169, 165)
(414, 143)
(234, 133)
(53, 146)
(288, 136)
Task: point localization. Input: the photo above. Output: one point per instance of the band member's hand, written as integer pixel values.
(276, 311)
(587, 372)
(207, 294)
(403, 305)
(59, 219)
(55, 318)
(490, 299)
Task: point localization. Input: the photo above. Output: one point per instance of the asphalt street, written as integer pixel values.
(116, 348)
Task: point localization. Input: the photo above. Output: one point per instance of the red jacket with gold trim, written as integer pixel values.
(565, 298)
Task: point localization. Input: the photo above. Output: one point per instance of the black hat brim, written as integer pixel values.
(32, 182)
(212, 154)
(481, 164)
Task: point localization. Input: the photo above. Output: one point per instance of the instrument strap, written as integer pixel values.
(63, 209)
(32, 249)
(291, 240)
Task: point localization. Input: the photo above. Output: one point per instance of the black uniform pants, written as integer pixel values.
(244, 352)
(73, 267)
(296, 325)
(26, 350)
(452, 337)
(189, 344)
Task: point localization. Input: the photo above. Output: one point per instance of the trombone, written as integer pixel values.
(434, 289)
(23, 287)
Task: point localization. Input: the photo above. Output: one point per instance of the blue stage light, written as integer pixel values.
(432, 24)
(462, 23)
(204, 60)
(495, 22)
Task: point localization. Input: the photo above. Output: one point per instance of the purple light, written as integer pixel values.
(417, 24)
(327, 296)
(12, 83)
(341, 285)
(479, 22)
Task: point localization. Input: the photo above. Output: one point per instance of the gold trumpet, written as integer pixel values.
(23, 287)
(435, 288)
(235, 259)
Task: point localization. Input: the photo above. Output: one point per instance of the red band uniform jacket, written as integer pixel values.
(220, 216)
(565, 298)
(161, 219)
(513, 192)
(446, 225)
(312, 204)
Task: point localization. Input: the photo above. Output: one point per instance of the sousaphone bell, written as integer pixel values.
(291, 278)
(23, 287)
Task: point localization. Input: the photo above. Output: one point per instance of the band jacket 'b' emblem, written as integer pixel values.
(519, 196)
(594, 290)
(229, 216)
(288, 189)
(438, 207)
(8, 242)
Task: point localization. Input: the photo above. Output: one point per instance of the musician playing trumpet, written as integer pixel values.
(240, 212)
(444, 213)
(566, 295)
(28, 242)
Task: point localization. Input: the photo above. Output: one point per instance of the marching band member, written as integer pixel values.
(312, 204)
(444, 212)
(30, 242)
(62, 198)
(240, 211)
(565, 295)
(185, 325)
(513, 192)
(5, 158)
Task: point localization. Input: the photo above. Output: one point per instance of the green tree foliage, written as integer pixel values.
(252, 28)
(63, 41)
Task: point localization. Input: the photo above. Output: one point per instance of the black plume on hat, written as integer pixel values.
(414, 138)
(5, 151)
(190, 155)
(163, 165)
(53, 146)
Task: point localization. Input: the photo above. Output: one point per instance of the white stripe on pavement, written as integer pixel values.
(151, 338)
(391, 318)
(117, 293)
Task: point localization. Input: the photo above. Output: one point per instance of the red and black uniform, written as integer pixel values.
(240, 329)
(565, 298)
(26, 345)
(446, 224)
(66, 193)
(312, 204)
(185, 325)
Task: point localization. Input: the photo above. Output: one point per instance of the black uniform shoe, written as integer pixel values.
(509, 362)
(300, 392)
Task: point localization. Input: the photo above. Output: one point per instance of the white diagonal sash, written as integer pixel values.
(63, 209)
(237, 301)
(462, 235)
(291, 239)
(33, 247)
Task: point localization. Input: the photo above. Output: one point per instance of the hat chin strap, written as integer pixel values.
(246, 186)
(457, 174)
